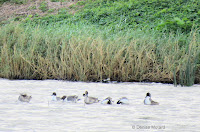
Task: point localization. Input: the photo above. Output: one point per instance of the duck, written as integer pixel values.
(24, 98)
(72, 98)
(149, 101)
(89, 100)
(108, 100)
(123, 100)
(54, 97)
(106, 80)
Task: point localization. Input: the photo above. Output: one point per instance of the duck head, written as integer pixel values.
(109, 100)
(64, 97)
(148, 94)
(54, 94)
(85, 94)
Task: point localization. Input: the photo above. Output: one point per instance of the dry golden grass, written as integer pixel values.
(39, 54)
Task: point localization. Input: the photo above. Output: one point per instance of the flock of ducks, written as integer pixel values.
(89, 100)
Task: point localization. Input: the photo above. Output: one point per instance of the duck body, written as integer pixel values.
(106, 80)
(54, 97)
(149, 101)
(89, 100)
(24, 98)
(108, 100)
(72, 98)
(123, 100)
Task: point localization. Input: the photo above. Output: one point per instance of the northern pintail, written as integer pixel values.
(24, 98)
(72, 98)
(108, 100)
(106, 80)
(89, 100)
(149, 101)
(123, 100)
(54, 97)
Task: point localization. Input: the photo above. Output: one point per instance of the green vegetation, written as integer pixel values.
(51, 10)
(129, 40)
(158, 14)
(59, 0)
(14, 1)
(43, 6)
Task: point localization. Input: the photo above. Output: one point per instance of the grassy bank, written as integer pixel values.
(87, 53)
(161, 15)
(129, 40)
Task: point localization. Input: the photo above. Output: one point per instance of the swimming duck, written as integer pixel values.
(89, 100)
(149, 101)
(108, 100)
(123, 100)
(54, 97)
(24, 98)
(72, 98)
(106, 80)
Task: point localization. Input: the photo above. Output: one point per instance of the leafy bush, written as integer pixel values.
(176, 24)
(120, 15)
(159, 14)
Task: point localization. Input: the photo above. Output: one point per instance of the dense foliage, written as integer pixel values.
(125, 40)
(162, 15)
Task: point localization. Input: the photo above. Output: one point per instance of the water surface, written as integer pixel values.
(179, 108)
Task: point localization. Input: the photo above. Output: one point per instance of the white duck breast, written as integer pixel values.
(106, 80)
(24, 98)
(54, 97)
(149, 101)
(123, 100)
(89, 100)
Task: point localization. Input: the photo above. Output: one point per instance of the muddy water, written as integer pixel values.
(179, 108)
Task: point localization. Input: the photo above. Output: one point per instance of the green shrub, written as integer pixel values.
(164, 14)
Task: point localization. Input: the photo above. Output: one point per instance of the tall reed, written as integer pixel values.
(86, 53)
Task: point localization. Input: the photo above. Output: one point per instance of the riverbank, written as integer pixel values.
(81, 46)
(86, 53)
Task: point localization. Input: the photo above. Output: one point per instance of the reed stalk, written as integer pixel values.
(86, 53)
